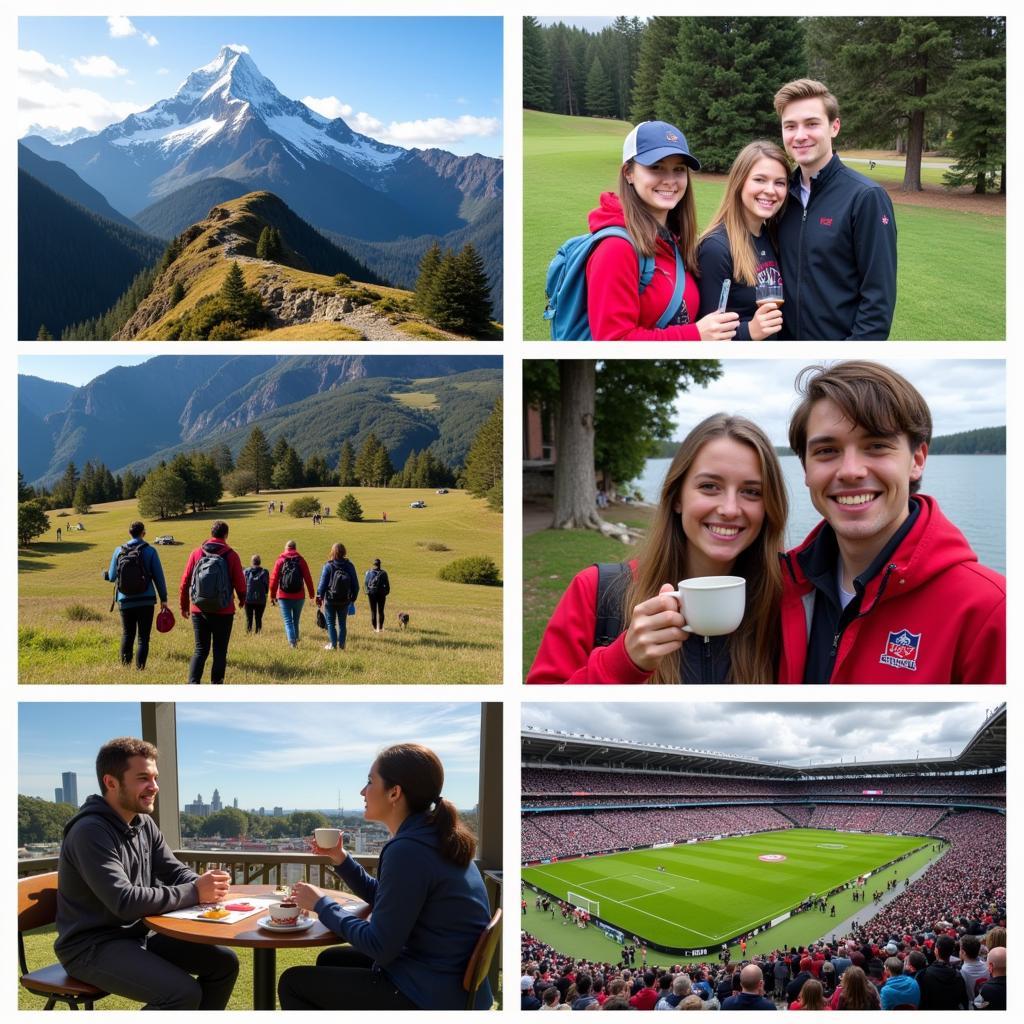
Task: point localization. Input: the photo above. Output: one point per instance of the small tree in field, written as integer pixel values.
(32, 522)
(350, 510)
(240, 482)
(307, 505)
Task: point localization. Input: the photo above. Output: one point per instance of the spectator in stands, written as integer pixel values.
(972, 967)
(855, 992)
(692, 1002)
(781, 974)
(550, 1000)
(751, 995)
(584, 992)
(724, 989)
(812, 997)
(828, 978)
(793, 988)
(942, 988)
(646, 997)
(616, 1003)
(527, 999)
(679, 989)
(993, 993)
(899, 991)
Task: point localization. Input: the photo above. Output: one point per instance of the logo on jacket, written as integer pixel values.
(901, 650)
(885, 219)
(825, 222)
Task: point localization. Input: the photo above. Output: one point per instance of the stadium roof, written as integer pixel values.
(555, 748)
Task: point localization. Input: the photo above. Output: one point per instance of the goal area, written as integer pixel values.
(592, 907)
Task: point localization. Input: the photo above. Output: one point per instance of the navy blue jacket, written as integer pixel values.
(155, 571)
(427, 916)
(328, 570)
(838, 258)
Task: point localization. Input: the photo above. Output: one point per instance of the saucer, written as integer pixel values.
(300, 926)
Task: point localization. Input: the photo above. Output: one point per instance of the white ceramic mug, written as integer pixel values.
(284, 914)
(327, 838)
(712, 605)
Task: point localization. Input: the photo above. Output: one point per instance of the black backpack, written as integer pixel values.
(257, 583)
(290, 579)
(339, 586)
(131, 576)
(210, 589)
(612, 580)
(377, 583)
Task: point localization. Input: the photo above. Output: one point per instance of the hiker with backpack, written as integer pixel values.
(722, 512)
(634, 276)
(289, 583)
(338, 588)
(378, 586)
(138, 578)
(212, 578)
(257, 586)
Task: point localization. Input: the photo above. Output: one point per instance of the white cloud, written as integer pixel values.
(163, 71)
(98, 66)
(240, 47)
(32, 64)
(328, 106)
(43, 103)
(121, 27)
(440, 131)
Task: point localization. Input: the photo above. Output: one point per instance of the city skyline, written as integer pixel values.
(293, 755)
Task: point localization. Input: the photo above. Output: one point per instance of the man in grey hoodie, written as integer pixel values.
(115, 869)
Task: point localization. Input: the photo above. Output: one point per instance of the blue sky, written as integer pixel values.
(294, 754)
(371, 71)
(77, 370)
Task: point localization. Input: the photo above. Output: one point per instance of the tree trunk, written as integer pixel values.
(915, 142)
(574, 470)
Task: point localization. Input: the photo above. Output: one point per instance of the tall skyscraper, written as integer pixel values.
(58, 796)
(235, 803)
(215, 804)
(69, 785)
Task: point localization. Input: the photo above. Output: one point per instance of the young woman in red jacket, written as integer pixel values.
(655, 205)
(722, 511)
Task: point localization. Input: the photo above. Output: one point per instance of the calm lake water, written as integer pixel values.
(970, 489)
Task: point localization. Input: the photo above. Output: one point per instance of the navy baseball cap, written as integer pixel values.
(651, 141)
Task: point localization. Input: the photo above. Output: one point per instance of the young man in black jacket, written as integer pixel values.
(115, 869)
(837, 237)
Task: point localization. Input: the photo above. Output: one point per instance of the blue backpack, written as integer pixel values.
(566, 284)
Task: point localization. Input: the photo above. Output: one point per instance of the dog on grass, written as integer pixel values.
(403, 620)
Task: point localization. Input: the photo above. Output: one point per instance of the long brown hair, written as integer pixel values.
(812, 995)
(337, 552)
(754, 647)
(730, 211)
(856, 990)
(643, 228)
(418, 770)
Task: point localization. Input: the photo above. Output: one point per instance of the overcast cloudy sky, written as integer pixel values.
(963, 394)
(788, 732)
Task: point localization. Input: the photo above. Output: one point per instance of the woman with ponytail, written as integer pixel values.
(428, 902)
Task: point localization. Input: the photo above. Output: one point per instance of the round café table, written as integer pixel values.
(247, 934)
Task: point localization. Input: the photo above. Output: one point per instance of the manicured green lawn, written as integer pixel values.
(951, 277)
(454, 633)
(551, 559)
(712, 891)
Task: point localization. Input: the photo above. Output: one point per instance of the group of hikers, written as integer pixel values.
(212, 581)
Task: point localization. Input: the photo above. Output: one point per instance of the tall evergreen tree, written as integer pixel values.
(484, 460)
(222, 458)
(233, 290)
(365, 460)
(263, 245)
(461, 294)
(430, 263)
(624, 54)
(255, 457)
(288, 472)
(281, 448)
(382, 469)
(722, 80)
(347, 465)
(600, 102)
(657, 46)
(44, 333)
(536, 67)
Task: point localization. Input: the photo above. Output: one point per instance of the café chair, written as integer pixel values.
(480, 960)
(37, 907)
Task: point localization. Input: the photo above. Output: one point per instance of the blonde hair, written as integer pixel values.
(643, 228)
(806, 89)
(730, 211)
(754, 647)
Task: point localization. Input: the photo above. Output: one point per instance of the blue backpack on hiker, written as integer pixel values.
(566, 284)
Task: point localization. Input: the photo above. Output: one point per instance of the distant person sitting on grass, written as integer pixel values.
(257, 587)
(338, 588)
(289, 583)
(212, 573)
(138, 577)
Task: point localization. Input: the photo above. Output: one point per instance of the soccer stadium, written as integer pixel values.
(638, 854)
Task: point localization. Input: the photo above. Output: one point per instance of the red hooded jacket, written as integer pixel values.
(616, 309)
(217, 547)
(275, 577)
(567, 653)
(934, 615)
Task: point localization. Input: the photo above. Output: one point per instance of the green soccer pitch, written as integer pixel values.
(713, 891)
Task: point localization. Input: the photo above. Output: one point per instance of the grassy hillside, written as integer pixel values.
(569, 161)
(67, 635)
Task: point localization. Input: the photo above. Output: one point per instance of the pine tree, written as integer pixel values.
(364, 460)
(222, 458)
(281, 448)
(162, 494)
(275, 247)
(64, 489)
(600, 102)
(263, 245)
(177, 293)
(657, 45)
(430, 263)
(233, 291)
(44, 333)
(255, 457)
(81, 503)
(536, 67)
(347, 465)
(288, 472)
(350, 510)
(382, 468)
(484, 460)
(462, 295)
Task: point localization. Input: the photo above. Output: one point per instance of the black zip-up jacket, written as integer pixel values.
(111, 875)
(838, 258)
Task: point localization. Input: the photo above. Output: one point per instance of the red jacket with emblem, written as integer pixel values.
(933, 586)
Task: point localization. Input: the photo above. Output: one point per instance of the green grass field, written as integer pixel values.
(454, 633)
(710, 892)
(569, 161)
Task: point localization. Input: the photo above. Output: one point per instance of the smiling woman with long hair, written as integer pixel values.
(722, 511)
(428, 902)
